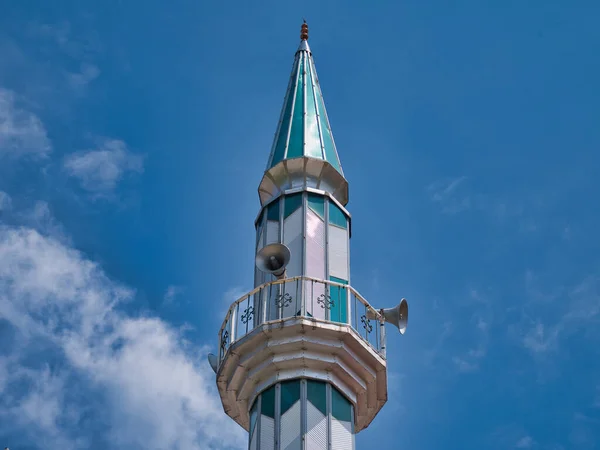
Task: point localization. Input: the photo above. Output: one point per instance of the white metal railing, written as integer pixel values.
(306, 297)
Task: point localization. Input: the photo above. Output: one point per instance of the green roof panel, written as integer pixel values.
(304, 128)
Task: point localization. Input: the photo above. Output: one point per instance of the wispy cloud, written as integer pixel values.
(5, 201)
(596, 402)
(525, 442)
(41, 407)
(582, 431)
(40, 218)
(540, 339)
(431, 355)
(463, 365)
(454, 196)
(59, 42)
(444, 193)
(100, 170)
(80, 80)
(231, 295)
(151, 390)
(172, 293)
(575, 307)
(395, 382)
(22, 133)
(584, 299)
(468, 360)
(512, 436)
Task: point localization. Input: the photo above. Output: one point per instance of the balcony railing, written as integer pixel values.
(301, 297)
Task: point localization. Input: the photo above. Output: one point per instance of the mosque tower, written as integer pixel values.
(301, 362)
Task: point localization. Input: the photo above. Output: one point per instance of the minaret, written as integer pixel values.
(301, 363)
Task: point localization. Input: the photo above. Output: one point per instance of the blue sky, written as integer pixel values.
(133, 136)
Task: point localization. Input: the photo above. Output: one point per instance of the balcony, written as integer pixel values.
(301, 297)
(302, 327)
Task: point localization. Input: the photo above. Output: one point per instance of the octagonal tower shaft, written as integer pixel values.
(301, 366)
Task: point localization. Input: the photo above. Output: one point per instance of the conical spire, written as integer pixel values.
(303, 130)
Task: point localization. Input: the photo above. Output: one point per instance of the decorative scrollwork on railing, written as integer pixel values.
(282, 300)
(224, 339)
(366, 323)
(325, 301)
(247, 315)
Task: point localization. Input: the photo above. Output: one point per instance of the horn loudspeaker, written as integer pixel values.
(273, 259)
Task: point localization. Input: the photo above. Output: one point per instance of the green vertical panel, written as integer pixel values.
(267, 407)
(253, 414)
(341, 408)
(273, 211)
(317, 394)
(296, 141)
(338, 280)
(285, 122)
(317, 204)
(313, 143)
(339, 297)
(337, 216)
(292, 203)
(290, 394)
(259, 224)
(260, 217)
(330, 155)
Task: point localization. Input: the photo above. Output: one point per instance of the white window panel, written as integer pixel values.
(338, 252)
(341, 435)
(316, 428)
(292, 237)
(267, 433)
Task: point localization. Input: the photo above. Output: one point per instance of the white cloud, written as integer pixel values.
(231, 295)
(596, 403)
(509, 436)
(42, 405)
(87, 74)
(22, 133)
(463, 365)
(41, 219)
(172, 293)
(395, 382)
(584, 300)
(59, 38)
(432, 354)
(153, 392)
(540, 340)
(5, 201)
(482, 325)
(576, 308)
(525, 442)
(453, 196)
(468, 360)
(100, 170)
(444, 193)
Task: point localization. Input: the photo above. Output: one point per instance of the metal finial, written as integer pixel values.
(304, 31)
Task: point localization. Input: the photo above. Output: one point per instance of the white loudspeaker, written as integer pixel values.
(397, 316)
(273, 258)
(212, 360)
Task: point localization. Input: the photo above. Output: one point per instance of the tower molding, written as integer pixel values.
(301, 347)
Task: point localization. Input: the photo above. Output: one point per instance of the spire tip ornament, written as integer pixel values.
(304, 31)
